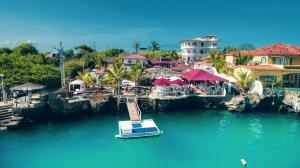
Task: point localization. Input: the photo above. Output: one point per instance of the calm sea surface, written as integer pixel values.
(191, 139)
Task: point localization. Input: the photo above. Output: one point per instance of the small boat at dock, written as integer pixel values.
(137, 129)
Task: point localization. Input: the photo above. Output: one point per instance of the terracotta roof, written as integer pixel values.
(275, 49)
(135, 56)
(260, 67)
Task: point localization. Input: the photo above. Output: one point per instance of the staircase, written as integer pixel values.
(7, 120)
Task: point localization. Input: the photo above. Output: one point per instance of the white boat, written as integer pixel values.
(137, 129)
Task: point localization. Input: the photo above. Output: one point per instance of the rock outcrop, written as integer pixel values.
(291, 101)
(244, 102)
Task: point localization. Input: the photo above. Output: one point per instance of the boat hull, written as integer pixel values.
(140, 135)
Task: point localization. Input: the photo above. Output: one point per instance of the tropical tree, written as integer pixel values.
(5, 50)
(87, 77)
(155, 46)
(173, 55)
(137, 73)
(228, 49)
(242, 59)
(116, 74)
(84, 48)
(136, 46)
(217, 59)
(25, 49)
(113, 52)
(244, 79)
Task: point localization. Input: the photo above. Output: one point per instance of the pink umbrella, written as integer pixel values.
(178, 82)
(161, 82)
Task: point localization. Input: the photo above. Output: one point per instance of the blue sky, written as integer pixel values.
(117, 23)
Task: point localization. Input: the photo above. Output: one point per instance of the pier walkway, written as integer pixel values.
(133, 109)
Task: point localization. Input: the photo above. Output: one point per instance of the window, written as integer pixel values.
(188, 51)
(263, 60)
(129, 61)
(268, 79)
(202, 44)
(194, 44)
(201, 52)
(194, 51)
(281, 61)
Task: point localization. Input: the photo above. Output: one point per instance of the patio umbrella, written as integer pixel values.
(27, 87)
(161, 82)
(178, 82)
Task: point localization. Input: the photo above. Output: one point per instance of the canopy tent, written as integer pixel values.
(27, 87)
(77, 82)
(178, 82)
(161, 82)
(76, 85)
(201, 75)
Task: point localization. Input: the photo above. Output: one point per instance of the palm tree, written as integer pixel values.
(87, 77)
(154, 46)
(244, 78)
(217, 59)
(243, 59)
(173, 55)
(136, 45)
(137, 73)
(116, 75)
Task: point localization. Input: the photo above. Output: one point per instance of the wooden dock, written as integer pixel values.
(133, 109)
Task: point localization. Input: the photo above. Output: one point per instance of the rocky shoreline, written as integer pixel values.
(60, 107)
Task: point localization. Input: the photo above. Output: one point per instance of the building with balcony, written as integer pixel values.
(195, 49)
(277, 64)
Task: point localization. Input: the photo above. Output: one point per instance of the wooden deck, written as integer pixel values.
(133, 110)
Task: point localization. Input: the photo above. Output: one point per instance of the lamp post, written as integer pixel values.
(2, 86)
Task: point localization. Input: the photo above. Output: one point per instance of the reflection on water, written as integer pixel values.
(256, 129)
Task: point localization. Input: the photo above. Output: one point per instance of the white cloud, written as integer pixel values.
(5, 43)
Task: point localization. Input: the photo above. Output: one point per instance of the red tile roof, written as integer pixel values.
(135, 56)
(260, 67)
(275, 49)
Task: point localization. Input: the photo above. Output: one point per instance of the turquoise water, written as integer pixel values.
(204, 139)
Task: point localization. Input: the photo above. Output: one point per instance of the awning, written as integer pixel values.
(201, 75)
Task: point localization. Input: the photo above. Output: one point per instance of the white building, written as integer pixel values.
(194, 49)
(132, 59)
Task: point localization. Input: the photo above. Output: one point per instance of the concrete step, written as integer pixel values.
(5, 116)
(5, 110)
(5, 107)
(3, 122)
